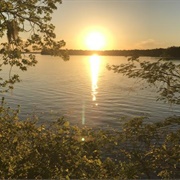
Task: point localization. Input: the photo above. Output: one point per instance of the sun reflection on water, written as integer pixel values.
(95, 67)
(94, 62)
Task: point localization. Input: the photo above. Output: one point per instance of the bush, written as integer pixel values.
(59, 150)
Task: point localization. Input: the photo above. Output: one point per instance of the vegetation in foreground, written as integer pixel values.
(33, 18)
(60, 150)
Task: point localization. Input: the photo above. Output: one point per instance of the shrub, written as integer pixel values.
(60, 150)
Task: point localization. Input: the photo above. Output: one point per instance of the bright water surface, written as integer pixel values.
(85, 92)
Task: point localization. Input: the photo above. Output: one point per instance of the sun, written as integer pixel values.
(95, 41)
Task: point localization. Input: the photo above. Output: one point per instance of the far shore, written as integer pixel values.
(168, 53)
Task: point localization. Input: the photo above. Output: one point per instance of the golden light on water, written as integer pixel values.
(95, 67)
(94, 64)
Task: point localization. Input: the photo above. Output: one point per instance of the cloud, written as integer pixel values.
(147, 44)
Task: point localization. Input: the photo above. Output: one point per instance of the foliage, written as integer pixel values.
(25, 18)
(60, 150)
(163, 74)
(171, 52)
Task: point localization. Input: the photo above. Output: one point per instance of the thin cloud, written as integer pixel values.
(147, 44)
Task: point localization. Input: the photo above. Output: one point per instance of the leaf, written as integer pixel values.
(66, 124)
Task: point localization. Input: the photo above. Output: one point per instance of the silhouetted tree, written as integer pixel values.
(33, 18)
(163, 74)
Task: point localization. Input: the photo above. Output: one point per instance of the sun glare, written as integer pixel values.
(95, 41)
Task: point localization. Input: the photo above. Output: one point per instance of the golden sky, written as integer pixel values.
(124, 24)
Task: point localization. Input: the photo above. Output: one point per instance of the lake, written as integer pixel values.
(85, 93)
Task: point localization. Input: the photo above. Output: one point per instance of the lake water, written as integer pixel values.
(85, 92)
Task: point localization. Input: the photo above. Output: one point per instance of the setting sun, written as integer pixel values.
(95, 41)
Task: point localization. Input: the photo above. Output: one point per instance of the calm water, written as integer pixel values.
(85, 92)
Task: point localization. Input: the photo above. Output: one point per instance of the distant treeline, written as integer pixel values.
(171, 52)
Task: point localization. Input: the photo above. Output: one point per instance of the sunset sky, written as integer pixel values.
(124, 24)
